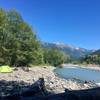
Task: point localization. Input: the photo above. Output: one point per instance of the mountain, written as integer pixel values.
(97, 52)
(74, 52)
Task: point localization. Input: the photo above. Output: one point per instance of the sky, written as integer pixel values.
(73, 22)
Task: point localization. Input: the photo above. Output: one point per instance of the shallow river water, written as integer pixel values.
(79, 73)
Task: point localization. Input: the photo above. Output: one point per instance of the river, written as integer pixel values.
(79, 73)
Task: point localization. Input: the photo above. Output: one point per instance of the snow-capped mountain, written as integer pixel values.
(74, 52)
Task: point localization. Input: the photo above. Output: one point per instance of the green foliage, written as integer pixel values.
(91, 59)
(75, 62)
(38, 57)
(18, 43)
(55, 57)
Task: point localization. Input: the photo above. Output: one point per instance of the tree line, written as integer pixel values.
(19, 45)
(91, 59)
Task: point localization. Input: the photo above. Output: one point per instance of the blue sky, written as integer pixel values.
(75, 22)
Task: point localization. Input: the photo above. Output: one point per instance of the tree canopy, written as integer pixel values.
(91, 59)
(17, 40)
(19, 45)
(55, 57)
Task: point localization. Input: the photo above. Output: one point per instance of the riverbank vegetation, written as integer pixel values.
(19, 45)
(93, 58)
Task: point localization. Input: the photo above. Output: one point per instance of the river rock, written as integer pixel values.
(52, 81)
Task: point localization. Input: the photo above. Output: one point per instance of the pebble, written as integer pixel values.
(52, 81)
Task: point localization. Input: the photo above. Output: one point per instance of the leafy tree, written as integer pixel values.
(55, 57)
(91, 59)
(18, 43)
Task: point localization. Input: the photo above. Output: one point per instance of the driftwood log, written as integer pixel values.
(38, 92)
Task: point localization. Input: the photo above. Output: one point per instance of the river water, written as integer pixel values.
(83, 74)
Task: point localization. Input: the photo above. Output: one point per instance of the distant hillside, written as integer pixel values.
(74, 52)
(97, 52)
(93, 58)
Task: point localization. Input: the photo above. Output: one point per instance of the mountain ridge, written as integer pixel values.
(74, 52)
(97, 52)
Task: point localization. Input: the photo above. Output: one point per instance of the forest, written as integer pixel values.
(19, 45)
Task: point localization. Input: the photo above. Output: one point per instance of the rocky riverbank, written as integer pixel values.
(52, 81)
